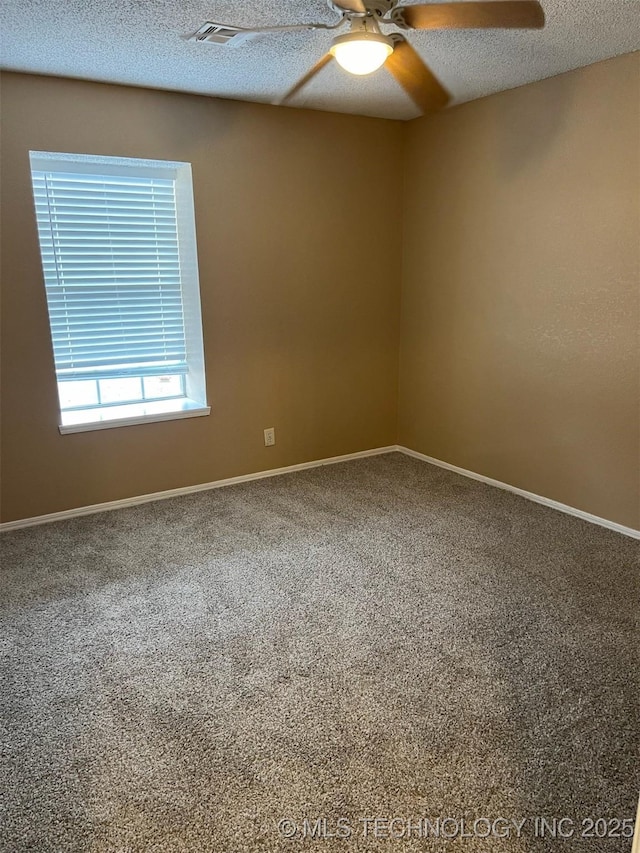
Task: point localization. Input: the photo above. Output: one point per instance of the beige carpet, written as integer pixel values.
(376, 639)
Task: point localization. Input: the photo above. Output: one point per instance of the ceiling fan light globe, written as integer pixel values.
(361, 52)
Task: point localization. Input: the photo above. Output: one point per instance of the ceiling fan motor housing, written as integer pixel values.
(380, 8)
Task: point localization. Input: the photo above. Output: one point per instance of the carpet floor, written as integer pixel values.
(271, 666)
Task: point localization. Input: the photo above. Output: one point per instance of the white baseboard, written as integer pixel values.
(569, 510)
(332, 460)
(188, 490)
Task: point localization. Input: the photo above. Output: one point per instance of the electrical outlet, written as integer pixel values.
(269, 437)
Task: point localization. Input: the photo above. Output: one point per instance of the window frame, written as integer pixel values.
(194, 401)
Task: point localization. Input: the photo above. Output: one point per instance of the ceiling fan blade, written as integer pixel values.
(320, 64)
(418, 81)
(498, 14)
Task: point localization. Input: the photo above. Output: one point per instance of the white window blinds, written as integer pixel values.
(111, 260)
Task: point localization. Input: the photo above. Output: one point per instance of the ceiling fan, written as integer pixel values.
(365, 48)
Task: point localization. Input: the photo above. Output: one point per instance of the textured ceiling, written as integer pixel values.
(141, 42)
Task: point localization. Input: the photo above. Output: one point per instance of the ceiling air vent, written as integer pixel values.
(211, 33)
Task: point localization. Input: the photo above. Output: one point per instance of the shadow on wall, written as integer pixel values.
(179, 121)
(526, 128)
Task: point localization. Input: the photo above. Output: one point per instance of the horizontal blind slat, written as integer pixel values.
(111, 262)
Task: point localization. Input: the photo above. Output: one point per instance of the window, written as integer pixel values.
(118, 245)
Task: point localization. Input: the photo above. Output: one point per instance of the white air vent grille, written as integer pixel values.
(211, 33)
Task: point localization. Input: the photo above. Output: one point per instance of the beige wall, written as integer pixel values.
(520, 320)
(520, 275)
(300, 316)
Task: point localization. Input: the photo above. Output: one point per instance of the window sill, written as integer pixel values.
(135, 413)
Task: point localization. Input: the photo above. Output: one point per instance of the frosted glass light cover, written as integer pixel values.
(361, 56)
